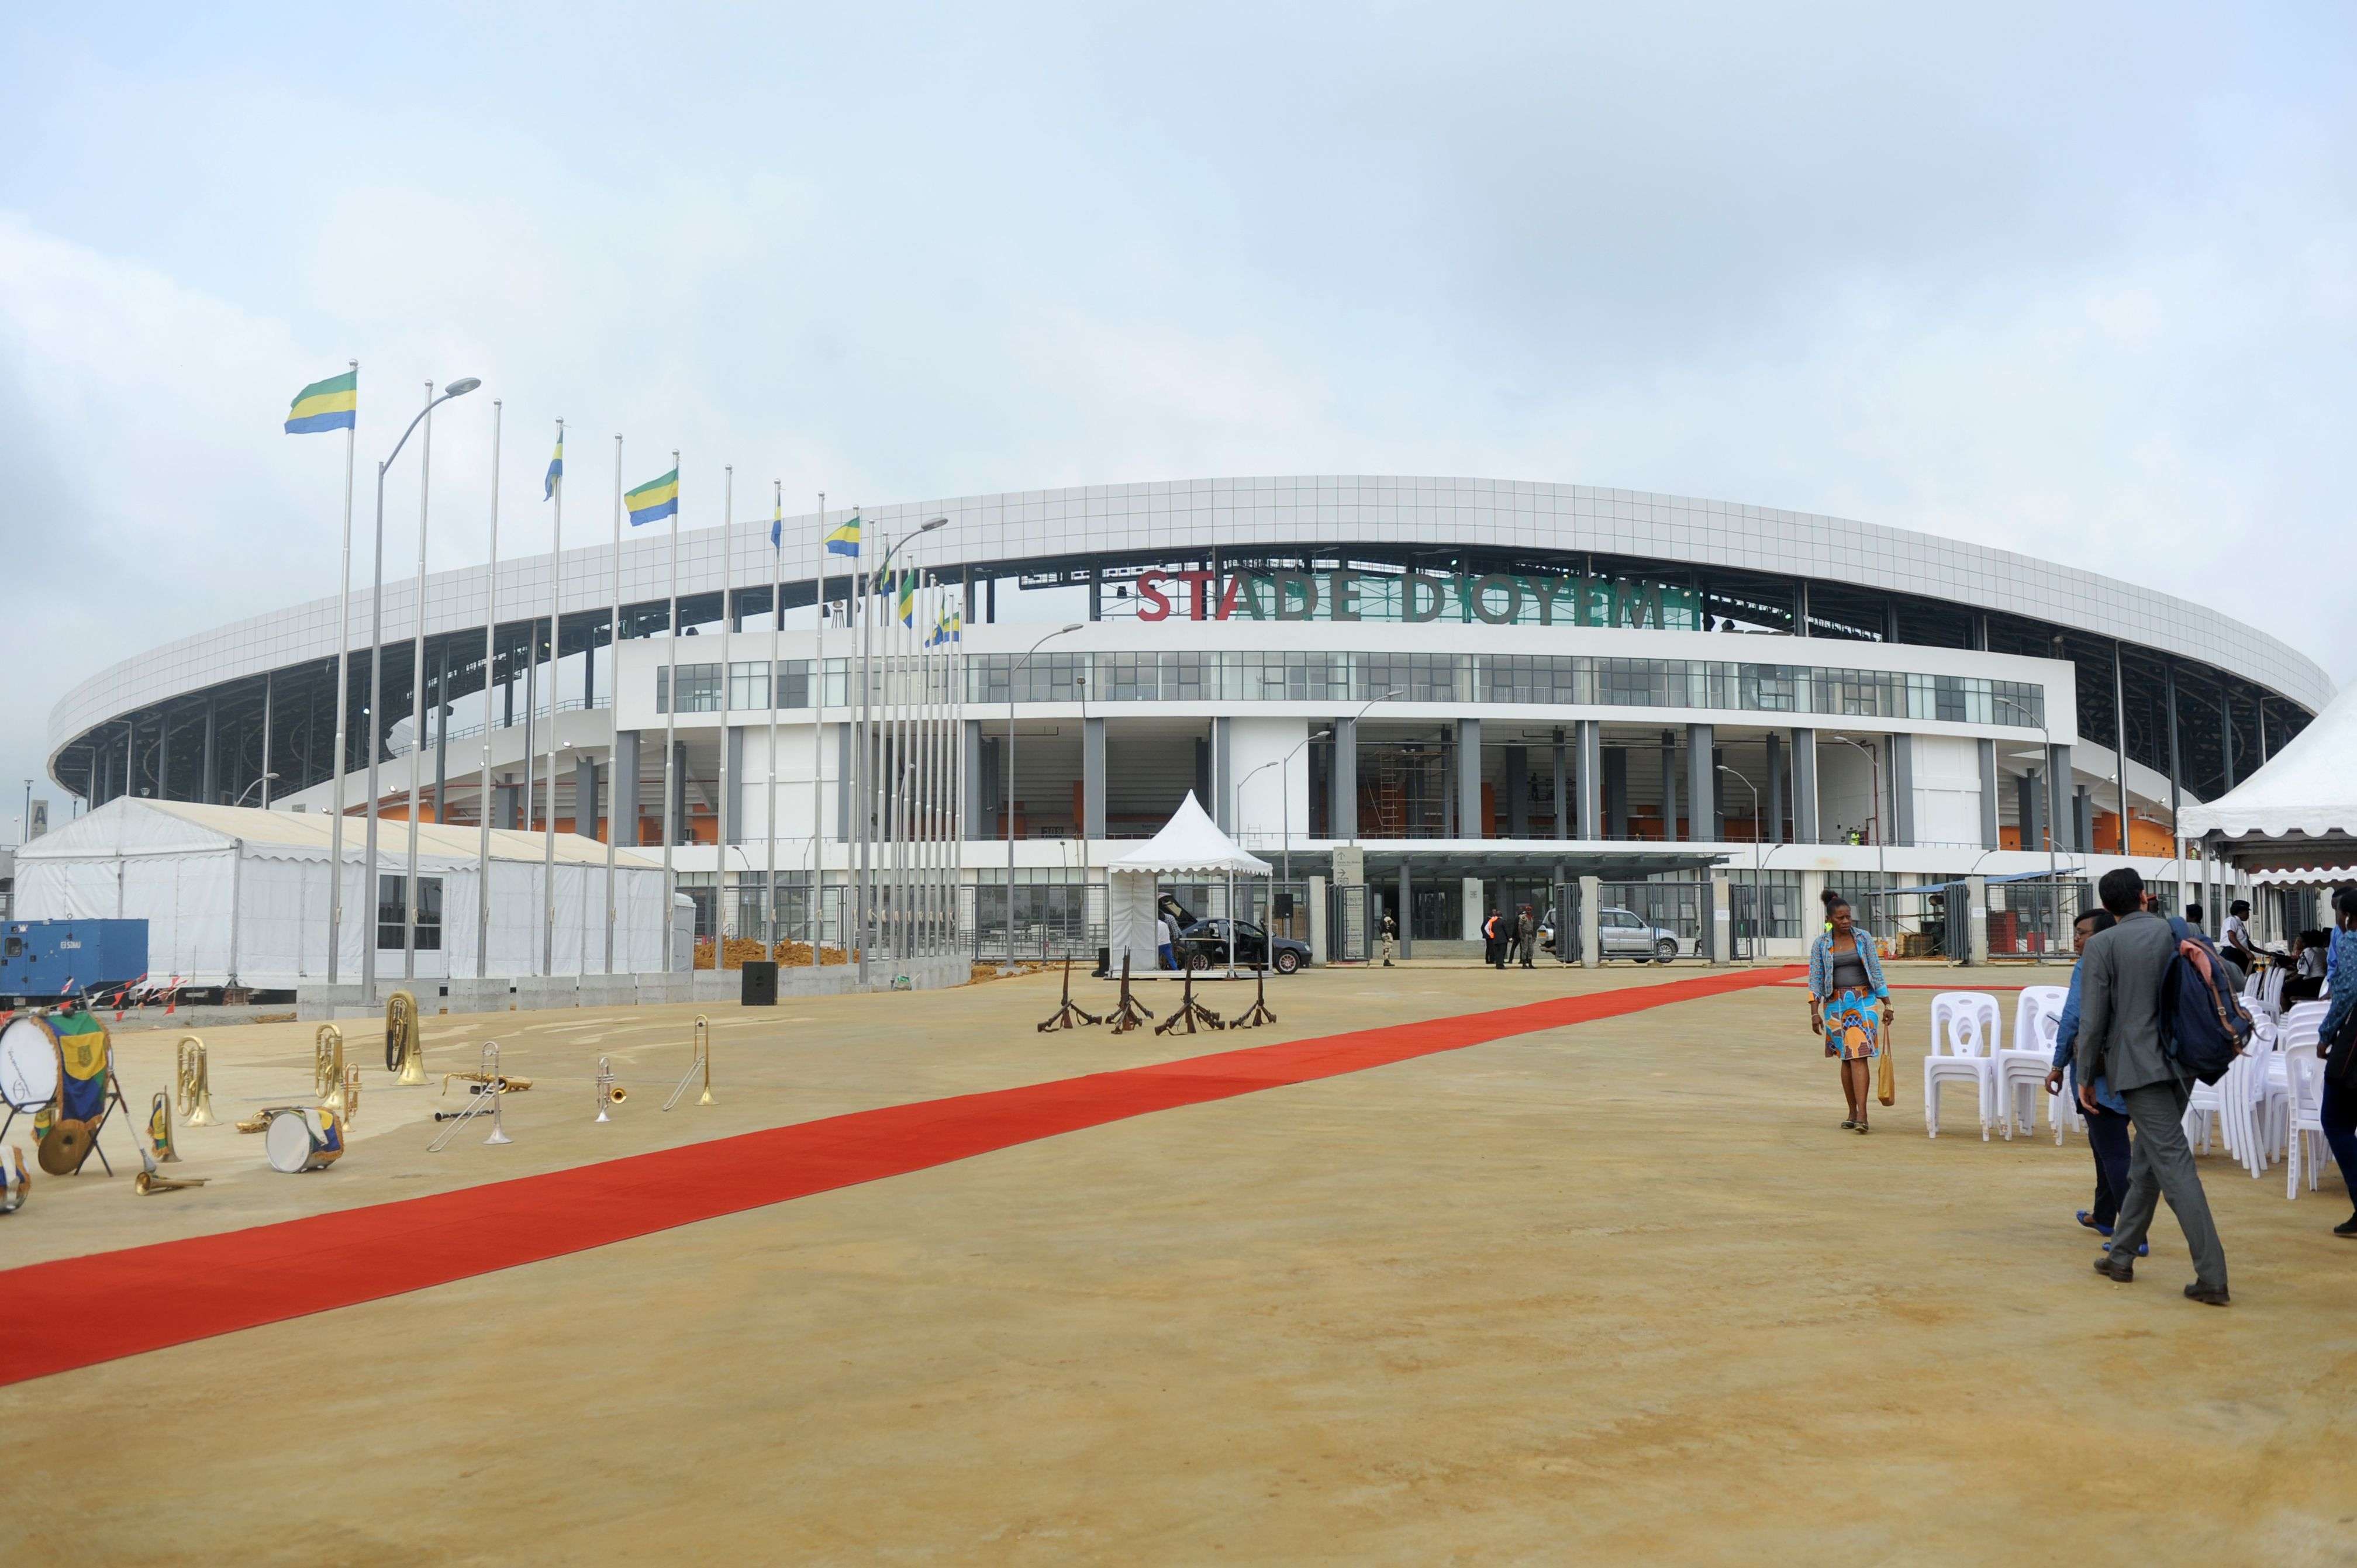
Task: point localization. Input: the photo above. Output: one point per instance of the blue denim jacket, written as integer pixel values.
(2067, 1036)
(1821, 964)
(2340, 974)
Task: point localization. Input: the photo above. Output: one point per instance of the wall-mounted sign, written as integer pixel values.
(1496, 599)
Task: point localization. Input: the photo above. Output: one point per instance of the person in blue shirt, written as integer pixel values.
(2108, 1125)
(2338, 1111)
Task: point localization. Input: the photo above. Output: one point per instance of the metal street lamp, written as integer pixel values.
(1384, 697)
(250, 789)
(1008, 804)
(459, 388)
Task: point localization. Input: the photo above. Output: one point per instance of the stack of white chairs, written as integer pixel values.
(2271, 1087)
(2018, 1073)
(1964, 1040)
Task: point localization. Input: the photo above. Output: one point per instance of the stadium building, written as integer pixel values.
(1423, 696)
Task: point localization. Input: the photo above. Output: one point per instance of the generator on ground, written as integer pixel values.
(49, 960)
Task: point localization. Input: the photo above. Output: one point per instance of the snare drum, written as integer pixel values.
(308, 1139)
(30, 1065)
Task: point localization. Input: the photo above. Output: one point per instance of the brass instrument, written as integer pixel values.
(351, 1093)
(608, 1091)
(328, 1067)
(405, 1050)
(194, 1083)
(260, 1121)
(159, 1129)
(506, 1085)
(700, 1061)
(495, 1097)
(153, 1180)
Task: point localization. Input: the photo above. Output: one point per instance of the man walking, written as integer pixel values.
(2119, 1040)
(1390, 930)
(1526, 935)
(1493, 940)
(2108, 1125)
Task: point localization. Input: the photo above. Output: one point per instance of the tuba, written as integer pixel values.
(328, 1067)
(404, 1052)
(194, 1083)
(159, 1129)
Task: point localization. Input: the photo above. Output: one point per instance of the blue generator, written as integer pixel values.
(48, 960)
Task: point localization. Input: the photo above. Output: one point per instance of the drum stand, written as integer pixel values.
(1070, 1015)
(1189, 1012)
(1259, 1013)
(1132, 1013)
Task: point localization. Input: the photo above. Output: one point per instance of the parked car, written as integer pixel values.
(1620, 934)
(1204, 946)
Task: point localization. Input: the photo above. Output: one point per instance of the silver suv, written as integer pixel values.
(1620, 934)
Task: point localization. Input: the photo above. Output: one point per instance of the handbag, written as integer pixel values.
(1886, 1072)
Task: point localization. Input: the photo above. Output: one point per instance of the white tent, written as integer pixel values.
(2300, 810)
(238, 895)
(1190, 843)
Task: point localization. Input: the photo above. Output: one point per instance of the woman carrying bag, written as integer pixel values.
(1850, 1006)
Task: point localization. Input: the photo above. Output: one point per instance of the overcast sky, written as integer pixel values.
(2077, 280)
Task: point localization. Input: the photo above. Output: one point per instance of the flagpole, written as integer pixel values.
(776, 698)
(724, 918)
(418, 699)
(490, 670)
(818, 749)
(555, 656)
(867, 707)
(343, 702)
(614, 704)
(671, 726)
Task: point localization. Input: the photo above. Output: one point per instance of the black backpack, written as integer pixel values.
(2203, 1026)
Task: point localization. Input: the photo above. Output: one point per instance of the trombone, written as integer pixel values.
(490, 1094)
(701, 1061)
(327, 1067)
(193, 1081)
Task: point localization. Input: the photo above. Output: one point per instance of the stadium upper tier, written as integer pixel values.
(1709, 562)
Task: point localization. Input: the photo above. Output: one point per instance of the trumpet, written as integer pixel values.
(159, 1128)
(152, 1179)
(328, 1067)
(194, 1083)
(700, 1060)
(608, 1091)
(505, 1085)
(404, 1052)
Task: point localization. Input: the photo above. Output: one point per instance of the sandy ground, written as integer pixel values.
(1616, 1292)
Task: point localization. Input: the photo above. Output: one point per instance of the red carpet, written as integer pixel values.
(76, 1312)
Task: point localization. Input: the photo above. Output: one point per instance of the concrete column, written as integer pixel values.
(1561, 789)
(1317, 896)
(1976, 919)
(1718, 929)
(1702, 786)
(845, 764)
(584, 796)
(1902, 788)
(1223, 777)
(1670, 812)
(970, 790)
(1589, 779)
(1613, 787)
(2058, 789)
(2030, 811)
(2083, 821)
(1988, 794)
(206, 789)
(1812, 904)
(1092, 777)
(1469, 822)
(678, 792)
(1472, 908)
(1591, 893)
(1342, 801)
(1804, 786)
(732, 785)
(624, 787)
(1518, 792)
(1773, 828)
(1406, 914)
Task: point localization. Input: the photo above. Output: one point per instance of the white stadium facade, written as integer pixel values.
(1426, 697)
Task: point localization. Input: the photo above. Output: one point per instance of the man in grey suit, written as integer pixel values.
(2119, 1036)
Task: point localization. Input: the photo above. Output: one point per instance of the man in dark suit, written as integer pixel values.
(2119, 1038)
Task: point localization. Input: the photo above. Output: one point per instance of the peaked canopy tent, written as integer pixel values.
(2300, 812)
(1190, 843)
(236, 895)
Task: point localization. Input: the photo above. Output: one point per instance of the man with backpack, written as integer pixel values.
(2127, 974)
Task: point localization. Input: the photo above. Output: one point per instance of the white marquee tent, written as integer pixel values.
(238, 895)
(1189, 844)
(2300, 812)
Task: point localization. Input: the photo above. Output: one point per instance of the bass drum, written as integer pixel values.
(306, 1140)
(29, 1063)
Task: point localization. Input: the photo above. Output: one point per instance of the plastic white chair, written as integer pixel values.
(2063, 1112)
(2304, 1080)
(2018, 1071)
(1963, 1040)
